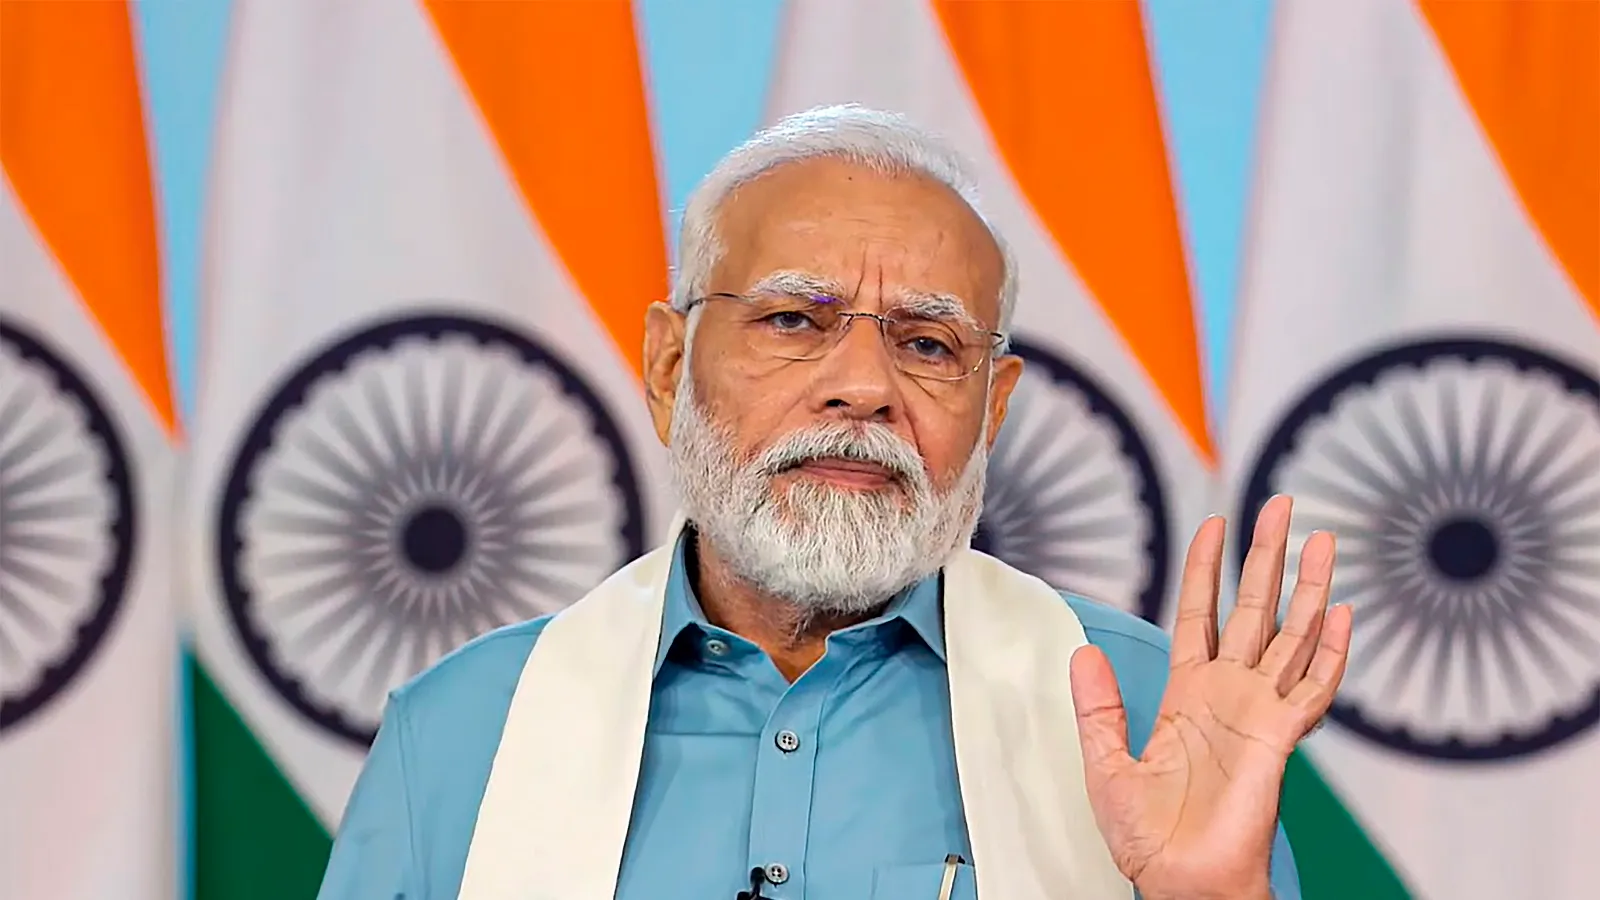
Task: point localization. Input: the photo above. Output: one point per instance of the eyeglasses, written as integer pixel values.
(804, 327)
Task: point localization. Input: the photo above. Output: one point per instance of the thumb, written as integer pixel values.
(1102, 719)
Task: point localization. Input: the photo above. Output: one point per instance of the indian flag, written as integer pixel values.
(1104, 463)
(1418, 366)
(88, 624)
(434, 229)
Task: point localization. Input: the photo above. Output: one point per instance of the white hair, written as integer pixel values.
(881, 141)
(821, 549)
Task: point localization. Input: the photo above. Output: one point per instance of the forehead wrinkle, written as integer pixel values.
(933, 305)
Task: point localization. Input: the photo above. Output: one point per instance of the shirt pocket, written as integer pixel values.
(921, 882)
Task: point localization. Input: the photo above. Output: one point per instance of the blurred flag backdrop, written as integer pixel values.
(87, 471)
(1416, 365)
(407, 319)
(433, 231)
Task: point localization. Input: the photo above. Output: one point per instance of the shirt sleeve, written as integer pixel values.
(372, 856)
(1285, 877)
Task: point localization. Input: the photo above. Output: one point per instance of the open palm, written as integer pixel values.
(1194, 815)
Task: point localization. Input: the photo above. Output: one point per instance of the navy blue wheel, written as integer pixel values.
(67, 524)
(1462, 479)
(1073, 496)
(412, 486)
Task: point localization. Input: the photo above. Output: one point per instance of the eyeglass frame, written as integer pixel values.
(999, 339)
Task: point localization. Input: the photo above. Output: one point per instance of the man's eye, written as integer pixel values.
(788, 320)
(931, 348)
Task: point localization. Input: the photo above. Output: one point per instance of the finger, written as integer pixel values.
(1291, 649)
(1274, 591)
(1254, 616)
(1194, 633)
(1102, 719)
(1315, 692)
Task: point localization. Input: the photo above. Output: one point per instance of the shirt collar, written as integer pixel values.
(918, 606)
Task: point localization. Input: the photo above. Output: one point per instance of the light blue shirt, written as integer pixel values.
(845, 778)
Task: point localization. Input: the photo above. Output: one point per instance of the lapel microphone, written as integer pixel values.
(758, 877)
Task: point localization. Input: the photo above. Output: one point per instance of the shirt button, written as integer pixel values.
(777, 873)
(788, 742)
(717, 647)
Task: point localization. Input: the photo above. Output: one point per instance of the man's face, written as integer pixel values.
(847, 441)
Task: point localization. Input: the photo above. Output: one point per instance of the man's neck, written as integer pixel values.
(793, 637)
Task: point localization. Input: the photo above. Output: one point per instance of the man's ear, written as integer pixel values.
(1007, 369)
(664, 330)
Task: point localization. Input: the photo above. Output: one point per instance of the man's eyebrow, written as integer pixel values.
(793, 282)
(948, 307)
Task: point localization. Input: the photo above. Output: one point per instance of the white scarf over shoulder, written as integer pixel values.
(556, 810)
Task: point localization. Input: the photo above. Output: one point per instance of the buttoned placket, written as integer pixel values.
(786, 766)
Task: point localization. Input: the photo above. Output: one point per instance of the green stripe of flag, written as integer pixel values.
(1336, 859)
(255, 838)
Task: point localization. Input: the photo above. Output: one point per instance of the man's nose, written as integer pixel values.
(858, 378)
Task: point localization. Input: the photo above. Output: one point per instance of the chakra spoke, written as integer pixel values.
(419, 484)
(68, 518)
(1073, 496)
(1462, 477)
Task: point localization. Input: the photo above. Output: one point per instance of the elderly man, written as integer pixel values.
(815, 689)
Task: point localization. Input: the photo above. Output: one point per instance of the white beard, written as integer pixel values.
(821, 548)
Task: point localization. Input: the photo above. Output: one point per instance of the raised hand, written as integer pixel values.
(1194, 816)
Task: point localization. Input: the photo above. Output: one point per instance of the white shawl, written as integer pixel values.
(555, 812)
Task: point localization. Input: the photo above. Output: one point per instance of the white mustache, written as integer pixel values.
(872, 443)
(817, 548)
